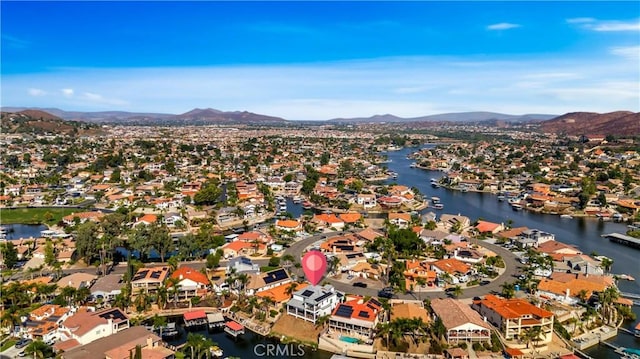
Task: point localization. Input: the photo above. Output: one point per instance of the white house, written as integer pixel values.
(313, 302)
(84, 327)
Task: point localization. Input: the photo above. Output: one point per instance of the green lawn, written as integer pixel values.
(34, 215)
(8, 344)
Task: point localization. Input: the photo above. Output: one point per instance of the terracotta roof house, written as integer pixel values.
(456, 269)
(83, 217)
(122, 346)
(416, 269)
(461, 322)
(409, 310)
(85, 327)
(356, 317)
(288, 225)
(514, 316)
(328, 221)
(401, 220)
(191, 283)
(489, 227)
(149, 279)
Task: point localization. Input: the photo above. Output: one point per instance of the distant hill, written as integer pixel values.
(41, 122)
(476, 116)
(581, 123)
(194, 117)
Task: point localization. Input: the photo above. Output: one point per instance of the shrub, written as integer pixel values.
(477, 347)
(463, 345)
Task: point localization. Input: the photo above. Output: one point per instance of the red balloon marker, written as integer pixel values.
(314, 264)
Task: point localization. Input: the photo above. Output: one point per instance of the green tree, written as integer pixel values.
(9, 254)
(87, 245)
(208, 195)
(49, 254)
(38, 349)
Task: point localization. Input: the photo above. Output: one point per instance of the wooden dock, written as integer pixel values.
(623, 239)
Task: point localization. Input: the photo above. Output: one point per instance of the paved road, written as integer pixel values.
(512, 269)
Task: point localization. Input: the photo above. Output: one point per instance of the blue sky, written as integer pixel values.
(320, 60)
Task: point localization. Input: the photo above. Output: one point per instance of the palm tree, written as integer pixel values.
(142, 300)
(582, 295)
(173, 285)
(457, 291)
(333, 264)
(531, 334)
(69, 294)
(607, 263)
(508, 290)
(9, 319)
(81, 295)
(161, 297)
(266, 303)
(291, 288)
(38, 349)
(159, 322)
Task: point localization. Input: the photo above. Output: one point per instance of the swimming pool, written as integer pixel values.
(349, 339)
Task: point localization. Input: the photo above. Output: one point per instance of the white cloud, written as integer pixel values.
(606, 25)
(629, 52)
(581, 20)
(503, 26)
(36, 92)
(67, 92)
(407, 87)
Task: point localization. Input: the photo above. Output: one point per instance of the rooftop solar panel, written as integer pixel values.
(307, 293)
(363, 314)
(322, 297)
(344, 311)
(375, 302)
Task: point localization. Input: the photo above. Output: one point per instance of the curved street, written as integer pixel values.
(512, 267)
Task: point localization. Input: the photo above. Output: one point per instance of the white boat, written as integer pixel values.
(501, 198)
(566, 216)
(516, 206)
(413, 165)
(297, 199)
(438, 206)
(216, 351)
(435, 200)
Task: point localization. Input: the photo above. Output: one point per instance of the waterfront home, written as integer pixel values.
(401, 220)
(533, 238)
(450, 221)
(513, 317)
(84, 326)
(356, 317)
(122, 345)
(94, 216)
(558, 250)
(415, 270)
(240, 248)
(580, 263)
(312, 302)
(191, 283)
(281, 293)
(149, 279)
(107, 287)
(409, 310)
(259, 282)
(485, 227)
(460, 321)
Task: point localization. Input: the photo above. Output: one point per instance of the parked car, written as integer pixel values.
(385, 293)
(360, 284)
(23, 343)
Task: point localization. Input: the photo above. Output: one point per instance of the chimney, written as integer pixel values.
(149, 342)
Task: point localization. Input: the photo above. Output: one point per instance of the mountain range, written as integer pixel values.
(574, 123)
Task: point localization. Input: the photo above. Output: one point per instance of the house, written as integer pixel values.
(69, 220)
(43, 322)
(242, 265)
(401, 220)
(569, 287)
(149, 279)
(312, 302)
(515, 316)
(366, 200)
(409, 310)
(460, 321)
(240, 248)
(350, 218)
(281, 293)
(450, 221)
(288, 225)
(533, 238)
(190, 283)
(77, 280)
(259, 282)
(107, 287)
(325, 220)
(147, 219)
(84, 326)
(415, 270)
(368, 270)
(485, 227)
(368, 235)
(454, 268)
(122, 345)
(356, 317)
(558, 250)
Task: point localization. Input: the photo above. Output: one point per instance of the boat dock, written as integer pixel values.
(623, 239)
(593, 337)
(215, 320)
(195, 319)
(233, 328)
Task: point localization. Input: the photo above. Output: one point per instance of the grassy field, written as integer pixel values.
(34, 215)
(8, 344)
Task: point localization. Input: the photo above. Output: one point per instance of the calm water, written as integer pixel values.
(249, 345)
(17, 231)
(584, 232)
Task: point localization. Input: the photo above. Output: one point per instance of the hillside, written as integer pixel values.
(194, 117)
(477, 116)
(40, 122)
(581, 123)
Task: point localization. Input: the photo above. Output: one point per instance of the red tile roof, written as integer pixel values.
(234, 325)
(195, 315)
(185, 272)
